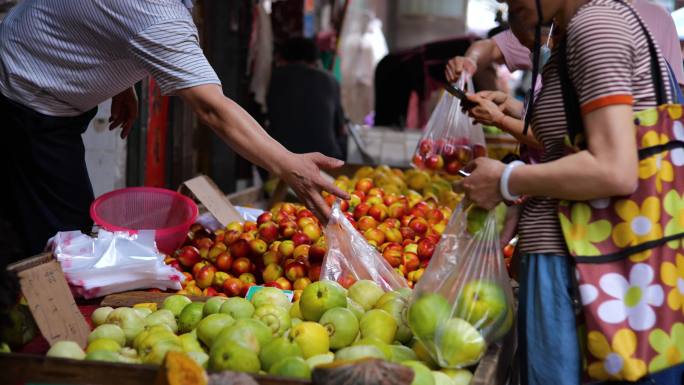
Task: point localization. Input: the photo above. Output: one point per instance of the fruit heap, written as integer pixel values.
(267, 334)
(404, 228)
(415, 184)
(284, 248)
(446, 155)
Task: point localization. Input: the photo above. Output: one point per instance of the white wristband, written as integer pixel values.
(503, 183)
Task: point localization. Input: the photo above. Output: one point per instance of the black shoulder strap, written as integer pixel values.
(571, 106)
(570, 98)
(657, 74)
(535, 70)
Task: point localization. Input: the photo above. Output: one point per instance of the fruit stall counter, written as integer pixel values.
(35, 368)
(401, 213)
(20, 369)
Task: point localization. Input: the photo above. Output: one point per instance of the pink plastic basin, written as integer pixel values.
(167, 212)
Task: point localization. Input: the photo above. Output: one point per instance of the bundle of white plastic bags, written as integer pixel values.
(113, 262)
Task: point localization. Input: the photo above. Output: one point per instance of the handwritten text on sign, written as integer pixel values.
(52, 304)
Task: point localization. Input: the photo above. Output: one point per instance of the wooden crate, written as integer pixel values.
(26, 368)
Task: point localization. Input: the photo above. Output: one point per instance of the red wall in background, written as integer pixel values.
(157, 136)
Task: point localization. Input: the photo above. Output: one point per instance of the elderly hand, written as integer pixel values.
(457, 65)
(124, 111)
(482, 186)
(485, 111)
(302, 172)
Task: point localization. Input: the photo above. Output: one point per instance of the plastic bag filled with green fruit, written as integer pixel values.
(464, 300)
(351, 258)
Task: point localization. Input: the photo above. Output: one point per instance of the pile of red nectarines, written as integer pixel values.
(284, 248)
(404, 230)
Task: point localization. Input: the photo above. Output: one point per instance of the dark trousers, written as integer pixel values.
(46, 184)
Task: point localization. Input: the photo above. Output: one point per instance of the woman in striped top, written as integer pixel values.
(609, 64)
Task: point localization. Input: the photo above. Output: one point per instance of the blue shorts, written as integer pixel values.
(549, 349)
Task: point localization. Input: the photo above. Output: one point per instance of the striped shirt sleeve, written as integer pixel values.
(601, 58)
(171, 53)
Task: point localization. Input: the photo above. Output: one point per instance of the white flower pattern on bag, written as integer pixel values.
(634, 299)
(588, 292)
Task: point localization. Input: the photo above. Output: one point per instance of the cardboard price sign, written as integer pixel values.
(52, 304)
(208, 194)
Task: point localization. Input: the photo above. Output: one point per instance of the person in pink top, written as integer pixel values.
(504, 48)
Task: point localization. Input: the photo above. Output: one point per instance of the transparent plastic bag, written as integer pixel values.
(350, 258)
(464, 301)
(450, 140)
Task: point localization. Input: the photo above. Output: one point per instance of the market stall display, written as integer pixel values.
(400, 213)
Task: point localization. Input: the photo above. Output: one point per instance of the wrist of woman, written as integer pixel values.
(505, 179)
(500, 121)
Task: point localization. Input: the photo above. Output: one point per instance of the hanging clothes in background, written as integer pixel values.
(260, 55)
(362, 46)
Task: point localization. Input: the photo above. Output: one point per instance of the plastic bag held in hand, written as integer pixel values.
(464, 299)
(351, 258)
(450, 140)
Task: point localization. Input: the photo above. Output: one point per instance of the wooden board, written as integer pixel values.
(130, 298)
(24, 368)
(30, 262)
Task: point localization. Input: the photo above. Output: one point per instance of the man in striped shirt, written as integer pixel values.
(60, 58)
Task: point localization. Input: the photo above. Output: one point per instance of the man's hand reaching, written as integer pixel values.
(302, 172)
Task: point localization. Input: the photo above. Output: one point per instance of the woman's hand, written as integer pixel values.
(485, 111)
(302, 172)
(507, 104)
(457, 65)
(482, 186)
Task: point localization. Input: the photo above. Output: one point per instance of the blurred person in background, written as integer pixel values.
(304, 103)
